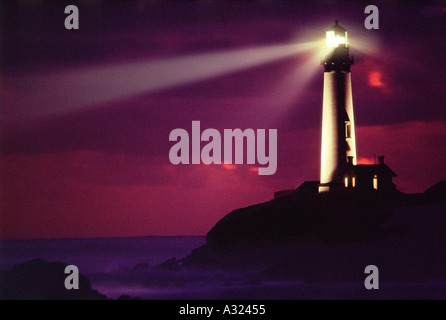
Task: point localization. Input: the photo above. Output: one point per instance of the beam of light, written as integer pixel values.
(40, 96)
(281, 100)
(368, 46)
(278, 103)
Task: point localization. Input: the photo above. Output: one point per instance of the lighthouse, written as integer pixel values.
(339, 169)
(338, 148)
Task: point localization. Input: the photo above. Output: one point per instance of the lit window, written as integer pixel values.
(348, 130)
(353, 182)
(375, 182)
(346, 182)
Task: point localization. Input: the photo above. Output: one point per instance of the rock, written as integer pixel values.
(171, 264)
(126, 297)
(318, 237)
(141, 267)
(41, 280)
(343, 217)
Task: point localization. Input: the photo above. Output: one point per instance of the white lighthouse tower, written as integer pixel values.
(338, 124)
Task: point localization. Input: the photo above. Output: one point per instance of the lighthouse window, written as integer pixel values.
(353, 182)
(346, 182)
(348, 130)
(375, 182)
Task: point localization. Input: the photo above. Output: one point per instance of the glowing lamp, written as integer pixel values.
(336, 51)
(336, 36)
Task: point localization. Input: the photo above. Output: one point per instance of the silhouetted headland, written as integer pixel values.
(312, 236)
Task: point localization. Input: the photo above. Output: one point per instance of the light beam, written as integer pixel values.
(39, 96)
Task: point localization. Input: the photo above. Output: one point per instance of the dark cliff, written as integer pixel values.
(333, 236)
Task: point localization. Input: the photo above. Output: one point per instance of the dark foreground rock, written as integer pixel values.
(330, 237)
(332, 217)
(171, 264)
(41, 280)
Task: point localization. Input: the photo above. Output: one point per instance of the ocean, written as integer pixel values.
(109, 264)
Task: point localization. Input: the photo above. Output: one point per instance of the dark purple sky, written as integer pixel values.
(104, 170)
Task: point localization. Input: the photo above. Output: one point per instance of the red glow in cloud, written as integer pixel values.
(97, 194)
(366, 160)
(375, 79)
(229, 166)
(417, 163)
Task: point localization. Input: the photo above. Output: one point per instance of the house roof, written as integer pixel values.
(309, 186)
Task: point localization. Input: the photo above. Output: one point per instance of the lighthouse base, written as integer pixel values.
(323, 188)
